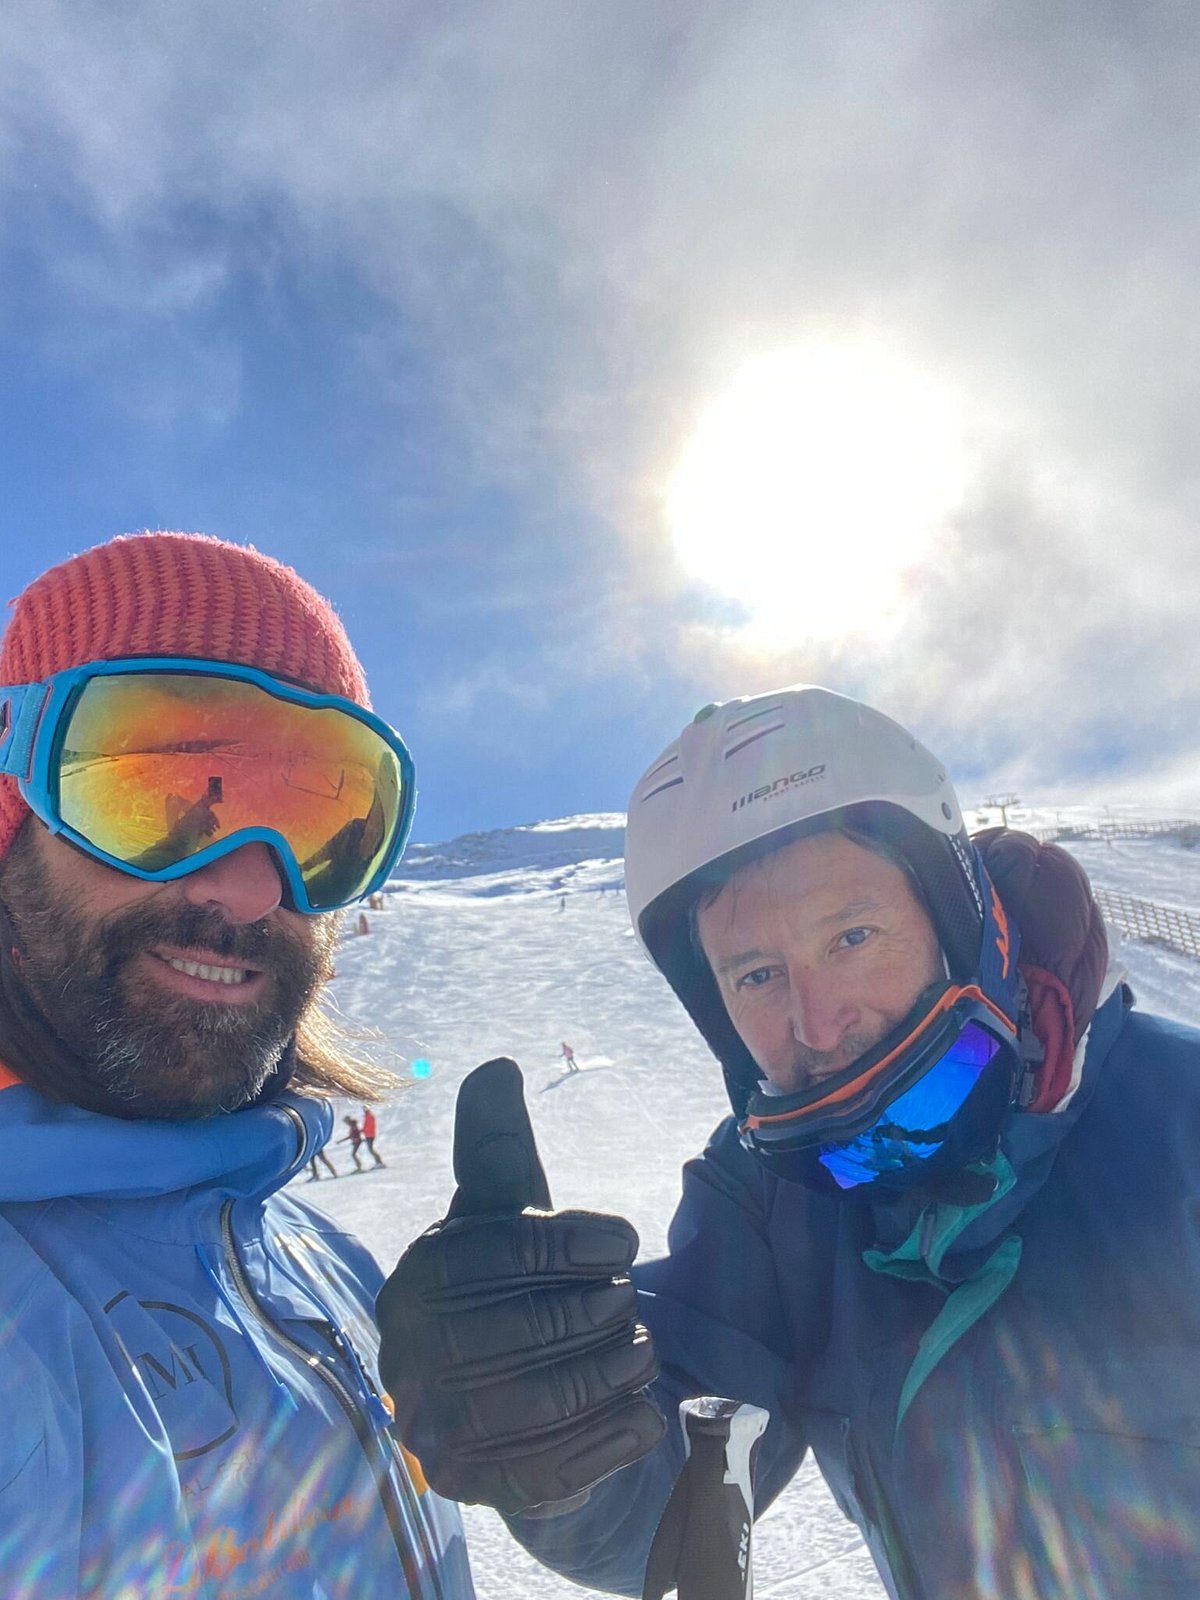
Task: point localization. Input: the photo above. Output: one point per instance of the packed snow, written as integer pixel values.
(518, 941)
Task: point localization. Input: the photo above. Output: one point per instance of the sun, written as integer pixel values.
(813, 483)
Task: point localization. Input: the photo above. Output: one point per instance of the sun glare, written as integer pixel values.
(813, 483)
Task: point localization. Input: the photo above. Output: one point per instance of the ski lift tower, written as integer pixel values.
(1001, 803)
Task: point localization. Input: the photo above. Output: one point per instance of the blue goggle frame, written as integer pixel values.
(34, 717)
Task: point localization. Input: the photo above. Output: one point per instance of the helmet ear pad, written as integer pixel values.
(939, 865)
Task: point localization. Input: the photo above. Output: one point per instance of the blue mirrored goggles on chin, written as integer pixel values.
(923, 1103)
(915, 1128)
(157, 766)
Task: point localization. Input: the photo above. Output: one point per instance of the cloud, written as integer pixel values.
(576, 221)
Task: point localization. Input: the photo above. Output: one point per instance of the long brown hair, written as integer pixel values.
(333, 1058)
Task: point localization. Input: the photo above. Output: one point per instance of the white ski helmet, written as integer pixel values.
(751, 774)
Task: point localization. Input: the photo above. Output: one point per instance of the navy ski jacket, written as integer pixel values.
(187, 1365)
(1005, 1400)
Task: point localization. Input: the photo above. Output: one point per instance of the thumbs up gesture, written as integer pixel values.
(510, 1340)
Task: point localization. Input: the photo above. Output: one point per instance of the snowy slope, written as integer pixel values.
(514, 941)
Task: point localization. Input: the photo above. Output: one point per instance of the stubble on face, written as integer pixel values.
(788, 912)
(808, 1068)
(153, 1053)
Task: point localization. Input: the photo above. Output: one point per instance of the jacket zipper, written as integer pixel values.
(350, 1406)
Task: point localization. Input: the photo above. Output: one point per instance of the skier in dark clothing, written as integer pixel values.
(950, 1238)
(354, 1138)
(325, 1162)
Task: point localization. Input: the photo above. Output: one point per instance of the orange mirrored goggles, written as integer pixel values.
(157, 766)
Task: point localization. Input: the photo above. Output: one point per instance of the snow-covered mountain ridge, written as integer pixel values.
(550, 857)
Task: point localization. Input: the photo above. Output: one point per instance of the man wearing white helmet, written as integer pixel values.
(949, 1237)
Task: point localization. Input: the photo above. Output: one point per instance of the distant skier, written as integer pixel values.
(363, 925)
(324, 1159)
(369, 1129)
(354, 1138)
(569, 1060)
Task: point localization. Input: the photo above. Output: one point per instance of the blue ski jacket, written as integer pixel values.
(1005, 1399)
(187, 1363)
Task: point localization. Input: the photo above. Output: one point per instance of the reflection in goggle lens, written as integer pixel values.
(155, 767)
(912, 1128)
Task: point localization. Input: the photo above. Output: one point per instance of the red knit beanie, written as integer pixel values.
(181, 594)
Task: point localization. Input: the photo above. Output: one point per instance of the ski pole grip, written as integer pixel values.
(702, 1545)
(737, 1423)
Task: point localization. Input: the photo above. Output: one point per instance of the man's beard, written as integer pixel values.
(814, 1066)
(150, 1052)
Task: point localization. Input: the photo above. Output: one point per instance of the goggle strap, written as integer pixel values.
(21, 707)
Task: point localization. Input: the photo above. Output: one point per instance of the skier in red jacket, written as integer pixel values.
(369, 1129)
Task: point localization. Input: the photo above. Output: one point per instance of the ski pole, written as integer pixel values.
(703, 1539)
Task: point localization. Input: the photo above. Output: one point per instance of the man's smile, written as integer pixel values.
(201, 975)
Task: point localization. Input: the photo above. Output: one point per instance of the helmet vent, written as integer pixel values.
(753, 716)
(667, 761)
(671, 783)
(661, 767)
(759, 733)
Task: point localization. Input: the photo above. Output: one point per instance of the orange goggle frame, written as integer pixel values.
(847, 1104)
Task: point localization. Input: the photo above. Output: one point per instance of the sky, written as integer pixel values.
(603, 360)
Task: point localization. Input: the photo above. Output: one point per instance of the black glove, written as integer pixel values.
(510, 1340)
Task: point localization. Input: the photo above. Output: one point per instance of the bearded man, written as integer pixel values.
(191, 1397)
